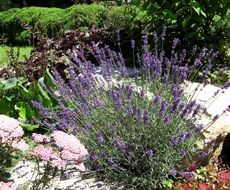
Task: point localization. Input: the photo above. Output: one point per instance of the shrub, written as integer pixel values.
(52, 22)
(5, 5)
(200, 22)
(139, 130)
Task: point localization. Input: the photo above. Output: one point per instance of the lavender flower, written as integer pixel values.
(100, 138)
(43, 111)
(129, 109)
(118, 142)
(98, 102)
(116, 97)
(156, 99)
(149, 153)
(176, 92)
(114, 127)
(88, 125)
(146, 117)
(199, 128)
(173, 172)
(226, 84)
(163, 108)
(175, 43)
(166, 120)
(163, 33)
(187, 175)
(203, 155)
(138, 113)
(197, 62)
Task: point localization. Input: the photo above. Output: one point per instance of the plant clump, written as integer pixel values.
(137, 125)
(56, 152)
(11, 142)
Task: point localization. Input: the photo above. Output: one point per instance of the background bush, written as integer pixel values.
(52, 22)
(200, 22)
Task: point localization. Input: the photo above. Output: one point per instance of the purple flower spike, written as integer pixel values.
(100, 138)
(163, 108)
(118, 142)
(156, 99)
(199, 128)
(175, 42)
(166, 120)
(115, 95)
(146, 117)
(149, 153)
(187, 175)
(138, 113)
(227, 84)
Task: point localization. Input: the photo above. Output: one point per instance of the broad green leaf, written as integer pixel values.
(5, 106)
(21, 111)
(191, 34)
(42, 94)
(27, 94)
(196, 6)
(170, 14)
(8, 84)
(186, 21)
(48, 79)
(203, 13)
(29, 127)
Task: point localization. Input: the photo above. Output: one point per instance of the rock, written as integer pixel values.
(215, 105)
(25, 175)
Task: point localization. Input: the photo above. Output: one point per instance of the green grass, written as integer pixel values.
(23, 51)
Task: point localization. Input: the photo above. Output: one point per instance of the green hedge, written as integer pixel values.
(54, 21)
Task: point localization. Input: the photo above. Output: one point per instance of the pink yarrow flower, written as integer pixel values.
(59, 149)
(8, 185)
(20, 145)
(38, 138)
(70, 146)
(11, 133)
(81, 167)
(57, 162)
(44, 153)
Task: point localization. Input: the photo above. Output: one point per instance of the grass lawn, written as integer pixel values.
(24, 51)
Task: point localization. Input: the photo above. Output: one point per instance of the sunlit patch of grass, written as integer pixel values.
(23, 52)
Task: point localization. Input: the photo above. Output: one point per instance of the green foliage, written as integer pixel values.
(52, 22)
(5, 5)
(16, 95)
(190, 15)
(4, 59)
(192, 20)
(220, 77)
(168, 183)
(202, 174)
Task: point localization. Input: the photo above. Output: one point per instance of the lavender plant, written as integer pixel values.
(136, 123)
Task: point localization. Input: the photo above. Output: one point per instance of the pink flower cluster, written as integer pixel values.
(11, 133)
(60, 148)
(7, 185)
(38, 138)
